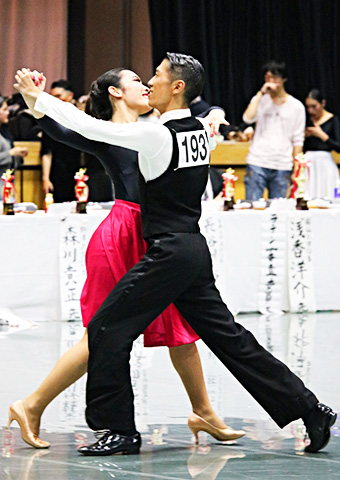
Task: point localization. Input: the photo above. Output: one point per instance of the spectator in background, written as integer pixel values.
(63, 90)
(214, 187)
(278, 138)
(198, 106)
(22, 125)
(81, 102)
(58, 175)
(9, 155)
(15, 105)
(239, 133)
(322, 136)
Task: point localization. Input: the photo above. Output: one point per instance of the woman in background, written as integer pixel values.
(322, 136)
(8, 153)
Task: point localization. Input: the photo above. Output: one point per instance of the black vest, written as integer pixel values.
(172, 202)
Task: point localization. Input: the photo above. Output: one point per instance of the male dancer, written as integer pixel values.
(174, 163)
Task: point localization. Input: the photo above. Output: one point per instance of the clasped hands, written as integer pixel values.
(29, 83)
(316, 131)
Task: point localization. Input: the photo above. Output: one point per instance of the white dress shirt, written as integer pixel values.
(152, 141)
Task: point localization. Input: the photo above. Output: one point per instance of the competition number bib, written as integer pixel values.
(193, 149)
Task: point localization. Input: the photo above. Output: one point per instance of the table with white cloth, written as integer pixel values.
(263, 261)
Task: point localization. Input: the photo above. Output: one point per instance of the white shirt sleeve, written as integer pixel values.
(254, 119)
(145, 138)
(299, 126)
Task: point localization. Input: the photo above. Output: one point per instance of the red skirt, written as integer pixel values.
(115, 247)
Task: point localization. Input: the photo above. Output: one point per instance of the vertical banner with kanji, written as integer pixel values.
(72, 400)
(301, 344)
(73, 244)
(273, 258)
(140, 365)
(211, 228)
(300, 265)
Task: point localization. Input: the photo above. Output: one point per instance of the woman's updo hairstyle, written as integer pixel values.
(100, 103)
(315, 94)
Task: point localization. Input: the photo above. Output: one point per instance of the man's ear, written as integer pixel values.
(178, 86)
(115, 92)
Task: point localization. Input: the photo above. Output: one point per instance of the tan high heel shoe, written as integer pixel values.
(17, 412)
(197, 424)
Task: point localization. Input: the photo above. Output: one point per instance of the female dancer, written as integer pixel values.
(116, 246)
(322, 136)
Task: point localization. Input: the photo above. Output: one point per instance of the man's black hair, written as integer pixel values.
(276, 68)
(65, 84)
(187, 68)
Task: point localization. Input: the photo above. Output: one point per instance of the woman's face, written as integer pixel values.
(314, 108)
(134, 93)
(4, 113)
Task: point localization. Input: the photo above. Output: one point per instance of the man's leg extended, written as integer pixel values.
(280, 392)
(143, 293)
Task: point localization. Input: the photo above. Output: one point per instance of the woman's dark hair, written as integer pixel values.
(100, 103)
(4, 126)
(187, 68)
(276, 68)
(315, 94)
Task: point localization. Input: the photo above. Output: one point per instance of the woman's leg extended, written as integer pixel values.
(187, 362)
(68, 369)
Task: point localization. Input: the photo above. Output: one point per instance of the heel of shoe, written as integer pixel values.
(10, 420)
(17, 413)
(197, 424)
(333, 418)
(132, 450)
(11, 417)
(195, 431)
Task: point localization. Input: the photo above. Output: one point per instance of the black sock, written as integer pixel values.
(126, 433)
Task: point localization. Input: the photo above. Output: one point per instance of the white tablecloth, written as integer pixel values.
(32, 246)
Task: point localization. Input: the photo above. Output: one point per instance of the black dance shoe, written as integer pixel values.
(111, 443)
(318, 427)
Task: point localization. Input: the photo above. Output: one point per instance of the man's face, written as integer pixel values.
(160, 87)
(270, 77)
(62, 94)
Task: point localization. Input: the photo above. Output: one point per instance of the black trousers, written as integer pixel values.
(177, 268)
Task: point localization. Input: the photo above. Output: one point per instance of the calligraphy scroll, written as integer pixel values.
(272, 333)
(212, 229)
(140, 364)
(216, 379)
(72, 400)
(73, 244)
(300, 266)
(272, 273)
(301, 344)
